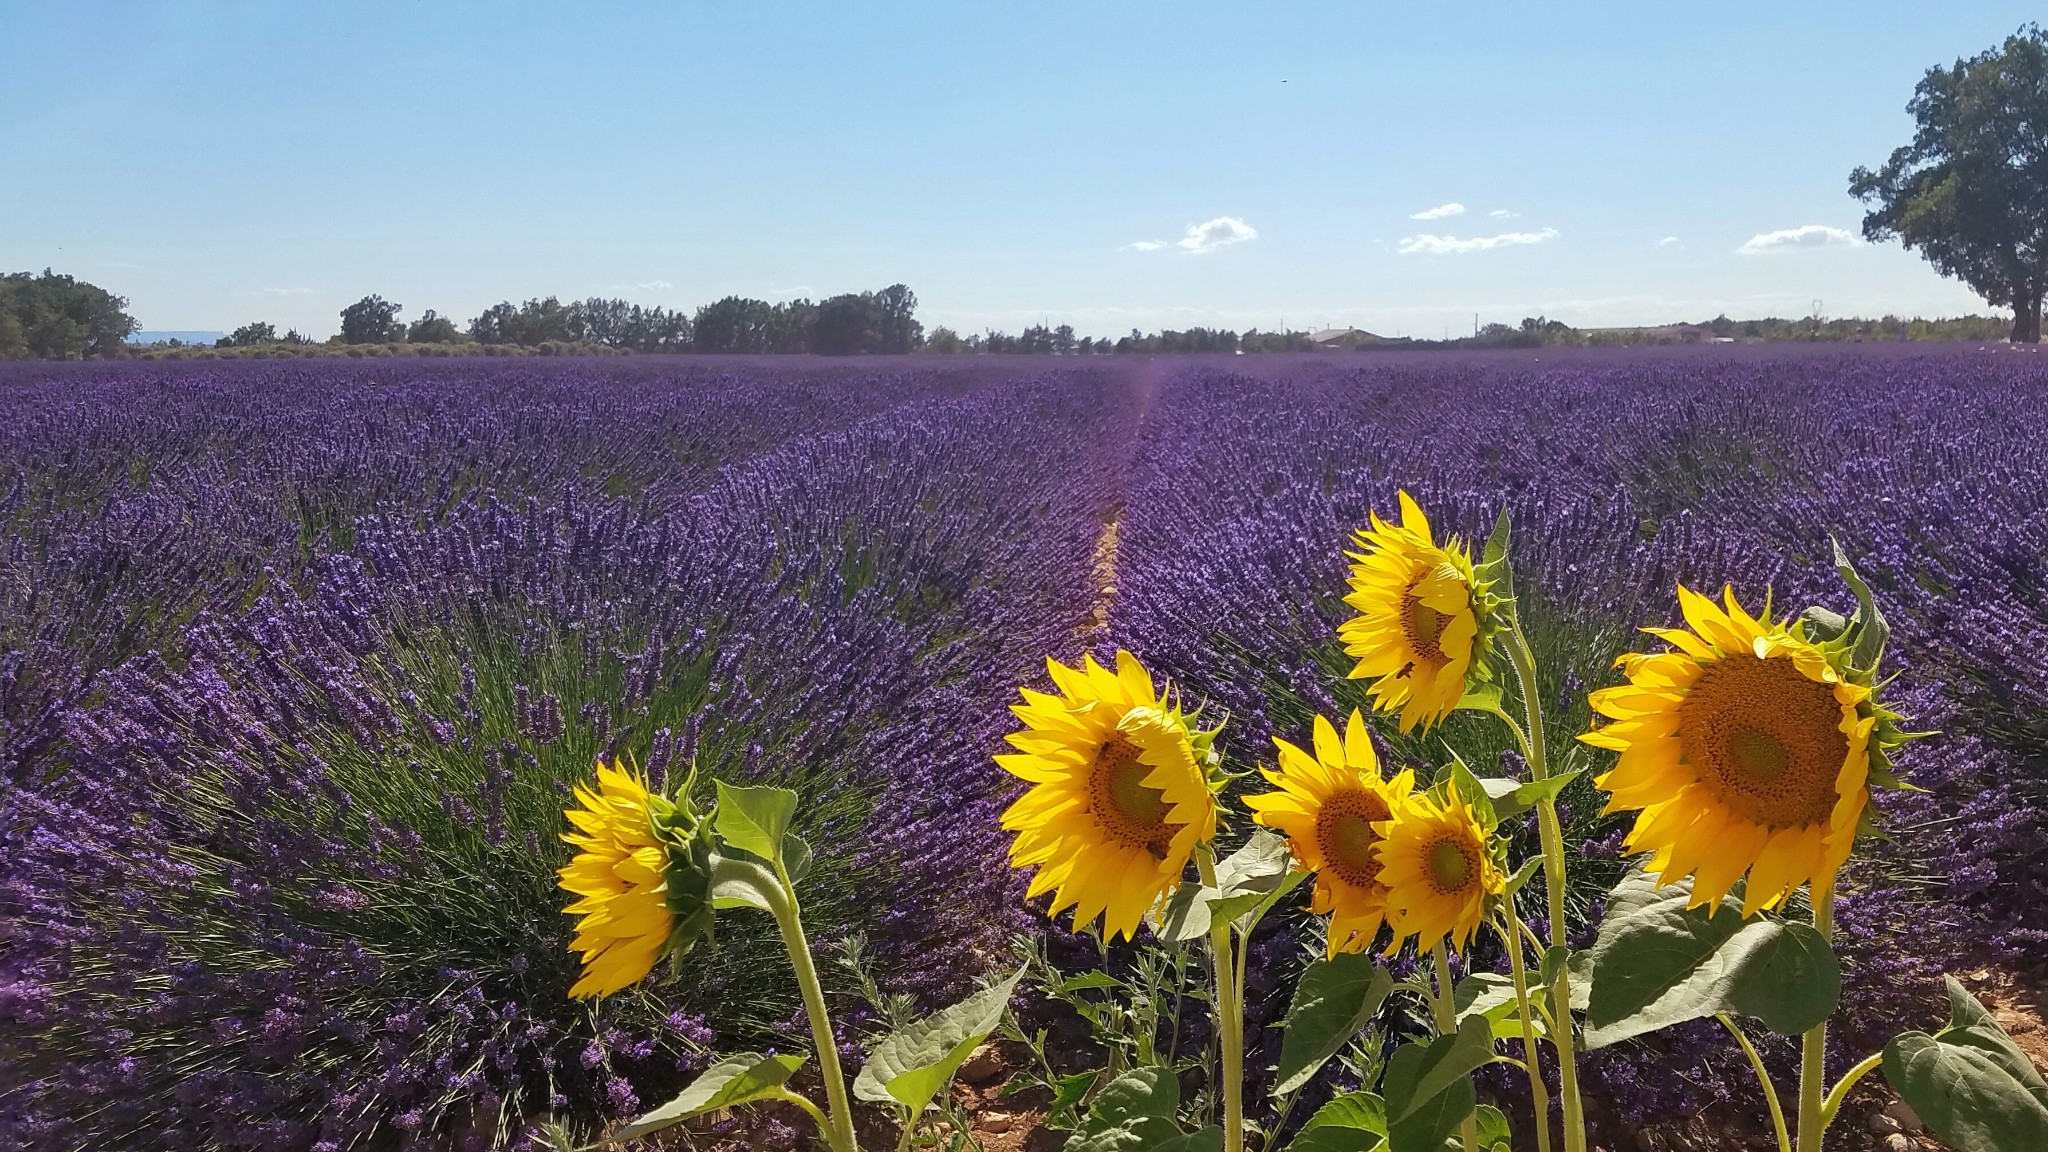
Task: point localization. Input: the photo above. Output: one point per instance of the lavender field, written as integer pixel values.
(299, 660)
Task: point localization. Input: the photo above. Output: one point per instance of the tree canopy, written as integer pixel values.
(52, 317)
(1971, 190)
(372, 320)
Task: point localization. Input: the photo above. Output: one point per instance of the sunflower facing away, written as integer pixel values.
(1439, 871)
(642, 870)
(1327, 806)
(1746, 748)
(1119, 793)
(1422, 627)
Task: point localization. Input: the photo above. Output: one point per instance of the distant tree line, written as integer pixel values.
(864, 322)
(52, 317)
(1542, 332)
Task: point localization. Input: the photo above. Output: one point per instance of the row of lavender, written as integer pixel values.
(1623, 478)
(277, 870)
(132, 497)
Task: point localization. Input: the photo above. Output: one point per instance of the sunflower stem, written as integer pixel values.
(1763, 1078)
(839, 1127)
(1446, 1008)
(1813, 1047)
(1840, 1091)
(1552, 835)
(817, 1116)
(1229, 1014)
(1538, 1090)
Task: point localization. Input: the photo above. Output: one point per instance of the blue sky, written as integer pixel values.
(220, 163)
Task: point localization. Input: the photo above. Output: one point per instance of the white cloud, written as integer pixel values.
(1667, 242)
(1429, 245)
(1213, 234)
(656, 286)
(1791, 239)
(1502, 214)
(1207, 236)
(1438, 212)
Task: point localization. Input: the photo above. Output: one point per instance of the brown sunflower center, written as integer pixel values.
(1766, 739)
(1344, 833)
(1452, 864)
(1424, 627)
(1127, 809)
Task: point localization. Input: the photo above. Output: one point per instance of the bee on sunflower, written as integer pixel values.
(1749, 747)
(643, 871)
(1330, 805)
(1122, 792)
(1426, 617)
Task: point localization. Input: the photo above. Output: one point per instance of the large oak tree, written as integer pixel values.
(1971, 190)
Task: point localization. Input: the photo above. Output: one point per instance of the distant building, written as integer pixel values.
(1341, 338)
(1657, 333)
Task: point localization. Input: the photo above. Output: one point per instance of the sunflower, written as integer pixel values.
(642, 868)
(1746, 748)
(1327, 806)
(1119, 794)
(1438, 869)
(1424, 620)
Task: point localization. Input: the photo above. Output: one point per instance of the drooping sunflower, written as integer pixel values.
(1120, 792)
(1425, 621)
(1327, 806)
(1439, 871)
(642, 868)
(1747, 749)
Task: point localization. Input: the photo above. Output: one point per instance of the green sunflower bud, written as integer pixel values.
(687, 841)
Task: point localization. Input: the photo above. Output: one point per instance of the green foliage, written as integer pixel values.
(1428, 1087)
(1333, 1002)
(52, 317)
(1353, 1122)
(735, 1080)
(1134, 1113)
(1969, 191)
(248, 336)
(1969, 1082)
(1656, 964)
(432, 328)
(372, 320)
(913, 1064)
(882, 321)
(755, 820)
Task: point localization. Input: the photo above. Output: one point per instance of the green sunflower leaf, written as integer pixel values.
(739, 1079)
(1495, 1134)
(1448, 1062)
(1362, 1111)
(1867, 630)
(1656, 963)
(1208, 1139)
(1259, 865)
(1184, 916)
(1421, 1120)
(1969, 1082)
(1521, 796)
(754, 819)
(1134, 1113)
(1474, 791)
(1495, 566)
(912, 1065)
(1333, 1002)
